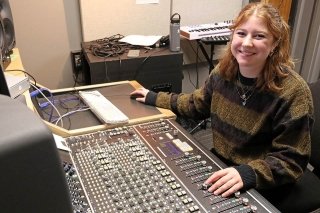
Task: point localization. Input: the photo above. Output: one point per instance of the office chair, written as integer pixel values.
(304, 196)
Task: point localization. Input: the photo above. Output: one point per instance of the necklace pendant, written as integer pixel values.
(243, 96)
(244, 103)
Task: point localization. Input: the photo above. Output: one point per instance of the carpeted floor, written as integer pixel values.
(200, 130)
(204, 136)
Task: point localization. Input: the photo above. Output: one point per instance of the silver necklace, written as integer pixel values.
(245, 94)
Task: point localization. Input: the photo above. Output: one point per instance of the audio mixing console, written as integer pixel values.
(149, 167)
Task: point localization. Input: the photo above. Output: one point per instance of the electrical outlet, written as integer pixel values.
(76, 59)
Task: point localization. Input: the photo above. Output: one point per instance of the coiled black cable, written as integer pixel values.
(109, 46)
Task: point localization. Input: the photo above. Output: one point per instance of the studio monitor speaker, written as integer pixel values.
(32, 179)
(7, 35)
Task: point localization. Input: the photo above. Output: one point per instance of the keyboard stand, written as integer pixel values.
(211, 42)
(208, 41)
(204, 52)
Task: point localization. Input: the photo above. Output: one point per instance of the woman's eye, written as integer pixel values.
(239, 33)
(259, 36)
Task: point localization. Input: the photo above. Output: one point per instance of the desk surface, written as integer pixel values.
(144, 53)
(118, 94)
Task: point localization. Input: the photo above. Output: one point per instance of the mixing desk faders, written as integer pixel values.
(149, 167)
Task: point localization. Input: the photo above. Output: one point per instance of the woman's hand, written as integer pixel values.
(140, 94)
(225, 182)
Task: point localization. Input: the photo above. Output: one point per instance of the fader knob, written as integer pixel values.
(253, 208)
(175, 132)
(67, 167)
(237, 194)
(119, 207)
(115, 199)
(205, 186)
(245, 201)
(100, 171)
(131, 132)
(140, 200)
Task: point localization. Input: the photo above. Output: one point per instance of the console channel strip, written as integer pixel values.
(149, 167)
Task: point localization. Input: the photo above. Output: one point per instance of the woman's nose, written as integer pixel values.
(247, 41)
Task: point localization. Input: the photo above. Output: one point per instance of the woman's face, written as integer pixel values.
(251, 44)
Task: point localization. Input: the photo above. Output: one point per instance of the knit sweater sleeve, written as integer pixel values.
(194, 105)
(290, 149)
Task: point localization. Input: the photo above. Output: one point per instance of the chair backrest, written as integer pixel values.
(315, 135)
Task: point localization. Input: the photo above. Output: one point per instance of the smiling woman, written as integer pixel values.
(261, 30)
(252, 44)
(260, 108)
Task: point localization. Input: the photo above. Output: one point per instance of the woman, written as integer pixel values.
(261, 110)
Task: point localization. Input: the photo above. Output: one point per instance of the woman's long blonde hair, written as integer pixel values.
(278, 63)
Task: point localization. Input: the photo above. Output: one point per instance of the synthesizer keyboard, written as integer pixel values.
(103, 108)
(149, 167)
(215, 39)
(206, 30)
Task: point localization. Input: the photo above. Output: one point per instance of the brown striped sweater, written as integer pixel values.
(267, 140)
